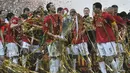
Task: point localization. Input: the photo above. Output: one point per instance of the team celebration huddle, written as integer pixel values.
(63, 41)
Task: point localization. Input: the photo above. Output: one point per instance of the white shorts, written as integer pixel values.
(81, 48)
(25, 45)
(75, 49)
(53, 50)
(107, 49)
(12, 50)
(1, 49)
(35, 49)
(54, 65)
(68, 50)
(120, 46)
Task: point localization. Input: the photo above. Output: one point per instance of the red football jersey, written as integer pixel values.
(10, 35)
(120, 22)
(104, 32)
(52, 24)
(77, 36)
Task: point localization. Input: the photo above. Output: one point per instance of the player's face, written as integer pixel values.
(52, 8)
(86, 11)
(115, 10)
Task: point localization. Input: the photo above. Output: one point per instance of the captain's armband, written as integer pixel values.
(113, 23)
